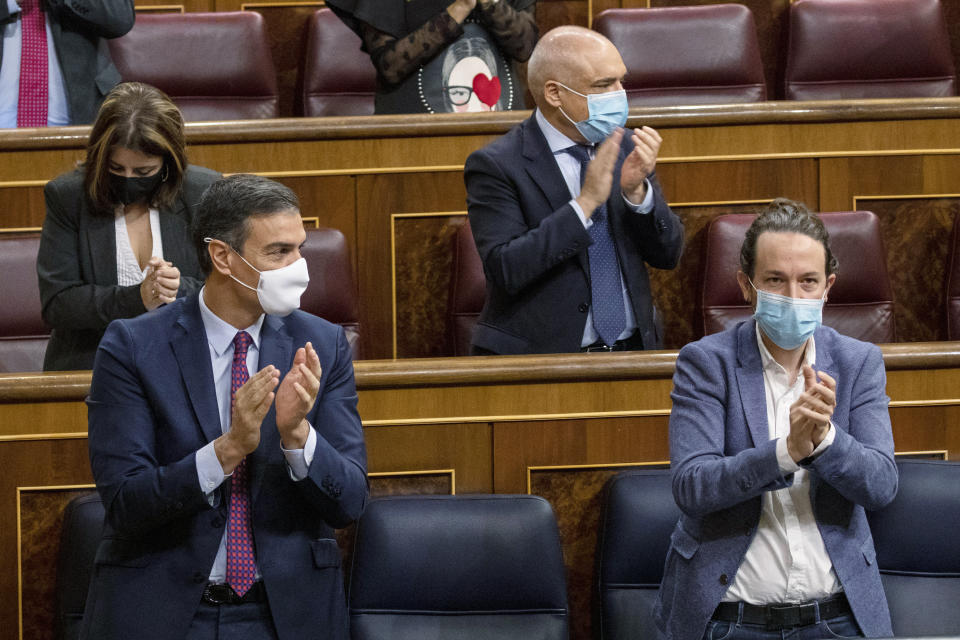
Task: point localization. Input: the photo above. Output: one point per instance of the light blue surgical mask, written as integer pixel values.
(789, 322)
(606, 113)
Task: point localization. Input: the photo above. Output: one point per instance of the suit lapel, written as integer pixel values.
(750, 382)
(173, 228)
(541, 166)
(191, 350)
(101, 239)
(276, 348)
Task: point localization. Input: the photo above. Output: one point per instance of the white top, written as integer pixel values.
(786, 562)
(128, 269)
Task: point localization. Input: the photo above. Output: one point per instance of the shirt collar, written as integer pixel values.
(220, 333)
(556, 140)
(809, 354)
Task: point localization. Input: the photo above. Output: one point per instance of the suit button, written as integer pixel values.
(583, 307)
(723, 578)
(199, 577)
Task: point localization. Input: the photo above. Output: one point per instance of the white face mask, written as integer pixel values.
(278, 290)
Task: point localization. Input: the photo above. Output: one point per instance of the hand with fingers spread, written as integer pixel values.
(641, 162)
(599, 179)
(160, 285)
(250, 405)
(296, 396)
(810, 414)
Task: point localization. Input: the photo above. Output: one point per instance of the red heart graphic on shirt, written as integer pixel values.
(488, 90)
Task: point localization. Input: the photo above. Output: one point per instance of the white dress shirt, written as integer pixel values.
(786, 562)
(128, 267)
(57, 112)
(570, 168)
(210, 473)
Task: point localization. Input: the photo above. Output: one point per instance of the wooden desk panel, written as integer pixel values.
(556, 426)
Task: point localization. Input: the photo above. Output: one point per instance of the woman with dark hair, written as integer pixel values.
(116, 240)
(414, 47)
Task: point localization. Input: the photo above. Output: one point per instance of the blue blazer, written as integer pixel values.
(723, 460)
(534, 247)
(152, 405)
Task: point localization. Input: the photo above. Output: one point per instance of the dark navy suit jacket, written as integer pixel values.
(534, 247)
(152, 405)
(723, 460)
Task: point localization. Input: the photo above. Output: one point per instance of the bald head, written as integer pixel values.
(565, 54)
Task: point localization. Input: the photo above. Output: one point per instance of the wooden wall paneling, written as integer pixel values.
(326, 201)
(40, 524)
(21, 205)
(555, 13)
(379, 198)
(287, 32)
(738, 180)
(47, 462)
(576, 494)
(169, 7)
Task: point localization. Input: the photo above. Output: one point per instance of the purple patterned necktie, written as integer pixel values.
(606, 286)
(241, 562)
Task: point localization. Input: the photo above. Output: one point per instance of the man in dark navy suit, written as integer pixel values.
(566, 212)
(226, 444)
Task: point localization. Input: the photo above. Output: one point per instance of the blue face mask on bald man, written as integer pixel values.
(606, 113)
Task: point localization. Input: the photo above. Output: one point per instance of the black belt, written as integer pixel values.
(780, 616)
(218, 594)
(633, 343)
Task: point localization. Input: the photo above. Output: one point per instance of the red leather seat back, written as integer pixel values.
(331, 294)
(23, 333)
(468, 289)
(687, 55)
(338, 77)
(851, 49)
(215, 66)
(860, 304)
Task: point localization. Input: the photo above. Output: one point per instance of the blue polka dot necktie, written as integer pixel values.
(241, 562)
(606, 286)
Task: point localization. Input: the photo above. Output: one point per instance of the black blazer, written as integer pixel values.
(77, 266)
(78, 28)
(534, 247)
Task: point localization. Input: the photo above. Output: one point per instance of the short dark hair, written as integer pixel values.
(142, 118)
(785, 216)
(227, 206)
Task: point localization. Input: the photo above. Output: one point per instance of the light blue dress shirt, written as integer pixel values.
(570, 168)
(210, 474)
(57, 111)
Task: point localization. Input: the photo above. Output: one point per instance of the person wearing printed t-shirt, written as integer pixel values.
(226, 445)
(566, 212)
(779, 440)
(438, 56)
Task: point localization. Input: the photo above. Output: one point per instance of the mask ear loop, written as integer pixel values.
(166, 174)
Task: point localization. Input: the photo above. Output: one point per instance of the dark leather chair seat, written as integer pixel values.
(468, 290)
(23, 333)
(214, 66)
(687, 55)
(860, 304)
(917, 553)
(79, 539)
(639, 514)
(331, 293)
(338, 78)
(474, 567)
(854, 49)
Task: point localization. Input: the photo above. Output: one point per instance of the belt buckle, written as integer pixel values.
(796, 615)
(599, 349)
(218, 594)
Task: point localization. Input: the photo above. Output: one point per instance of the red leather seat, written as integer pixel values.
(860, 303)
(468, 289)
(338, 78)
(215, 66)
(851, 49)
(687, 55)
(23, 333)
(331, 293)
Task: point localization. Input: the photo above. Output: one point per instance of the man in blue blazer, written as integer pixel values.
(226, 445)
(780, 438)
(566, 212)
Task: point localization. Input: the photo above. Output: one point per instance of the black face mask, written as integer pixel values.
(127, 190)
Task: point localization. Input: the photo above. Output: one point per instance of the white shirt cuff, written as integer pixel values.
(209, 471)
(579, 211)
(647, 205)
(298, 460)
